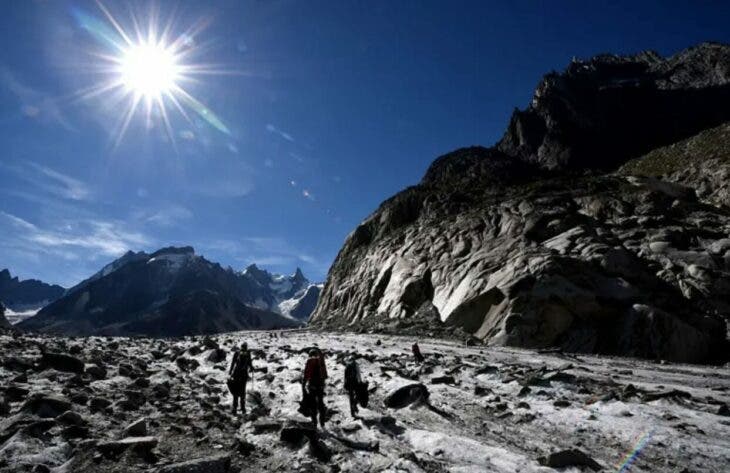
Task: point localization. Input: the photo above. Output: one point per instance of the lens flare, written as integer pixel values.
(147, 70)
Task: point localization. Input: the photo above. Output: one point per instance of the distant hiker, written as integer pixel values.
(241, 366)
(354, 385)
(315, 374)
(417, 353)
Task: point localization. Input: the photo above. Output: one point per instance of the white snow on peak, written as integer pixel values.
(174, 260)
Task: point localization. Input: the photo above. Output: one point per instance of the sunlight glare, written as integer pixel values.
(149, 70)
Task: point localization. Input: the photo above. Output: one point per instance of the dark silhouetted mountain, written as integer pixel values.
(3, 321)
(170, 292)
(28, 294)
(536, 243)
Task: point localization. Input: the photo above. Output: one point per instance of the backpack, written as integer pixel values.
(242, 364)
(362, 393)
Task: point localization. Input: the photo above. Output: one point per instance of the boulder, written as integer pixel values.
(213, 464)
(115, 447)
(71, 418)
(62, 362)
(407, 395)
(443, 380)
(47, 406)
(568, 458)
(96, 371)
(264, 426)
(295, 433)
(137, 428)
(99, 404)
(216, 355)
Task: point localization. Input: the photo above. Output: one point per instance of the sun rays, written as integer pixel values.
(144, 71)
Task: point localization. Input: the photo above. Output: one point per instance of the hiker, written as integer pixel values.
(353, 381)
(417, 353)
(241, 366)
(315, 373)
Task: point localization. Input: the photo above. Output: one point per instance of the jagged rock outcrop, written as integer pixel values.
(600, 112)
(519, 245)
(4, 324)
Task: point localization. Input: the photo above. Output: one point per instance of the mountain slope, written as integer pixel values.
(701, 162)
(28, 294)
(531, 244)
(170, 292)
(3, 321)
(293, 296)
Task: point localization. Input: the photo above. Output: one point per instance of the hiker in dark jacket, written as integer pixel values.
(417, 353)
(241, 366)
(353, 381)
(315, 374)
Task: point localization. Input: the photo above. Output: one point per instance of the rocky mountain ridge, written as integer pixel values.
(27, 294)
(173, 292)
(533, 243)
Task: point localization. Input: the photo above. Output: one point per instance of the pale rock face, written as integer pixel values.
(522, 283)
(533, 244)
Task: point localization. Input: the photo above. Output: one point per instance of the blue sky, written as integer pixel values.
(328, 109)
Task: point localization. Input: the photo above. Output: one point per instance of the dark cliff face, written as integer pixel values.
(599, 113)
(17, 294)
(532, 244)
(3, 321)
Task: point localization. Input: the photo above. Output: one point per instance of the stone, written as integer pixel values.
(16, 393)
(443, 380)
(75, 432)
(407, 395)
(213, 464)
(210, 344)
(99, 404)
(115, 447)
(264, 426)
(47, 406)
(187, 364)
(62, 362)
(96, 371)
(296, 433)
(137, 428)
(71, 418)
(216, 355)
(568, 458)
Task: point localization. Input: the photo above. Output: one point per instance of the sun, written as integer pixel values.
(149, 70)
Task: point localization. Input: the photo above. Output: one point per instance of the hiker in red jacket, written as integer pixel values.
(315, 374)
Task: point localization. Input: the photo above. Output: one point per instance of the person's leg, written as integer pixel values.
(353, 402)
(243, 395)
(235, 403)
(313, 407)
(321, 407)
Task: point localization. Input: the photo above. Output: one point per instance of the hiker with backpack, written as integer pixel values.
(241, 366)
(417, 353)
(315, 374)
(356, 389)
